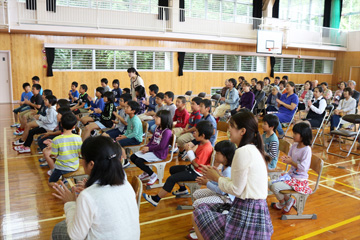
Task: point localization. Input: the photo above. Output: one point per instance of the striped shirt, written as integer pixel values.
(66, 148)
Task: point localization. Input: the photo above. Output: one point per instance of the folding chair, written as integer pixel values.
(321, 129)
(138, 187)
(193, 186)
(317, 166)
(215, 99)
(253, 107)
(354, 119)
(291, 121)
(202, 95)
(284, 146)
(188, 96)
(160, 165)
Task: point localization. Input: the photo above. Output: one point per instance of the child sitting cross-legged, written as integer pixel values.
(157, 148)
(66, 149)
(42, 124)
(190, 172)
(297, 178)
(106, 117)
(271, 141)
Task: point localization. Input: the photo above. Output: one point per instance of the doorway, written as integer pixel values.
(355, 74)
(5, 78)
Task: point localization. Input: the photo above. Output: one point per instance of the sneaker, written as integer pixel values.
(50, 172)
(150, 200)
(44, 164)
(182, 154)
(18, 132)
(289, 204)
(18, 148)
(18, 142)
(277, 206)
(144, 176)
(42, 160)
(152, 180)
(179, 193)
(94, 133)
(126, 163)
(17, 125)
(192, 236)
(25, 150)
(40, 152)
(175, 150)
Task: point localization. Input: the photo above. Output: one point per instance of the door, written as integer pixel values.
(355, 75)
(4, 78)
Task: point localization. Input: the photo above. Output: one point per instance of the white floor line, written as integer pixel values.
(161, 199)
(345, 175)
(166, 218)
(344, 193)
(7, 219)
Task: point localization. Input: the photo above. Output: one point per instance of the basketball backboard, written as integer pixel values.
(269, 42)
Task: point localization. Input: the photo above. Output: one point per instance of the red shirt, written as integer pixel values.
(203, 154)
(181, 118)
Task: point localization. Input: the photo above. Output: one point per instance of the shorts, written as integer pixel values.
(100, 125)
(56, 174)
(21, 108)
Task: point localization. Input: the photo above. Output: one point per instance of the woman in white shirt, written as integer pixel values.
(248, 216)
(346, 106)
(106, 208)
(316, 109)
(135, 80)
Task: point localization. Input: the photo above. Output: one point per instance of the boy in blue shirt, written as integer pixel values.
(26, 95)
(271, 141)
(153, 90)
(98, 103)
(36, 80)
(73, 94)
(116, 91)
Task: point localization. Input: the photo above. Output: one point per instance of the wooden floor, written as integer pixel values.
(29, 211)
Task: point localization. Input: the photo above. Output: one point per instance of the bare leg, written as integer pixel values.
(86, 119)
(198, 234)
(49, 160)
(16, 117)
(28, 127)
(88, 129)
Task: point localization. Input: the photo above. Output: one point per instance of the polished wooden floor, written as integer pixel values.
(29, 211)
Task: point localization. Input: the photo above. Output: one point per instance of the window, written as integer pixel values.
(350, 15)
(306, 12)
(225, 10)
(142, 6)
(295, 65)
(96, 59)
(224, 63)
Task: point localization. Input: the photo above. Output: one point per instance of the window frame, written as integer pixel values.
(303, 66)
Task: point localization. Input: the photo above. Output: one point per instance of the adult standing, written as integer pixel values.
(248, 216)
(135, 80)
(106, 207)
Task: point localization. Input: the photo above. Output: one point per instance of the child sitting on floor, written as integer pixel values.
(26, 95)
(73, 93)
(116, 91)
(157, 148)
(66, 149)
(42, 124)
(83, 104)
(300, 159)
(271, 141)
(181, 116)
(190, 172)
(106, 118)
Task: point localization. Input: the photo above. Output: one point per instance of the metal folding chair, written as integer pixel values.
(202, 94)
(329, 109)
(291, 121)
(215, 99)
(354, 119)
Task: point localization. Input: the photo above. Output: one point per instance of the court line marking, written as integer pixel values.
(350, 174)
(331, 179)
(347, 194)
(25, 156)
(336, 225)
(7, 221)
(51, 219)
(165, 218)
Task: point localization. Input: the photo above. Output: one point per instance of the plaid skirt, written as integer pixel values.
(247, 219)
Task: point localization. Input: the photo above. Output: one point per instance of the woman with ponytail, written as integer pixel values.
(135, 80)
(106, 207)
(248, 216)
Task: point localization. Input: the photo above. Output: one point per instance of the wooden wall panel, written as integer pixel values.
(27, 61)
(342, 69)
